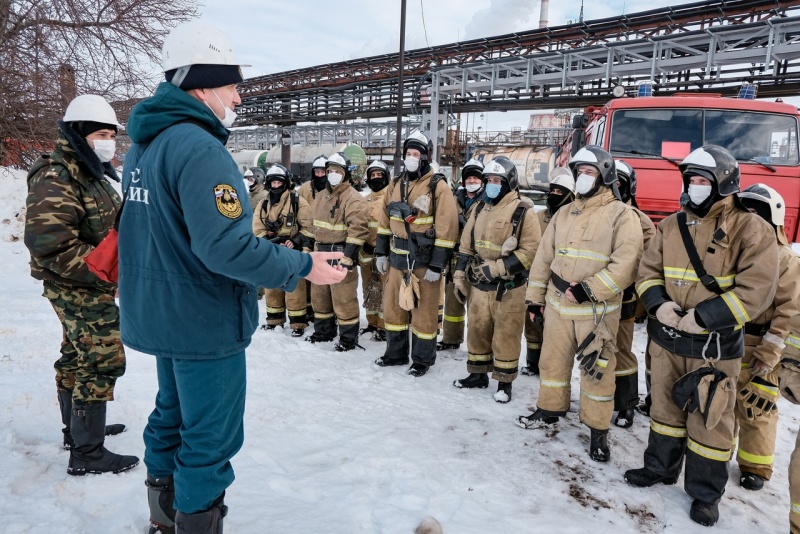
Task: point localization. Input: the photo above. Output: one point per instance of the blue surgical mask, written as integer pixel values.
(493, 190)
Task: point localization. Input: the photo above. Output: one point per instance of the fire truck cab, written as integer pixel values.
(654, 134)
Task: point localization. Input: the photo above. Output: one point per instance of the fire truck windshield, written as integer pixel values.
(765, 138)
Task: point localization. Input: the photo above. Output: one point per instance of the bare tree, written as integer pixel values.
(53, 50)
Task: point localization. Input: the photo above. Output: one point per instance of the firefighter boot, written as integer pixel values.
(65, 403)
(348, 338)
(624, 418)
(474, 380)
(532, 359)
(644, 478)
(205, 522)
(705, 513)
(89, 455)
(396, 349)
(751, 481)
(538, 419)
(598, 448)
(160, 497)
(503, 394)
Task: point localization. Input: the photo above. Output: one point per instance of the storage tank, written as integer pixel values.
(533, 163)
(250, 158)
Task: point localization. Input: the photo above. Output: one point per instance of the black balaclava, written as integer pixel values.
(319, 182)
(377, 184)
(556, 201)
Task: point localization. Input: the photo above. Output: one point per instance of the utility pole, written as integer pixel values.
(400, 93)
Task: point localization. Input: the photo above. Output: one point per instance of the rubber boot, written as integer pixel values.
(751, 481)
(396, 349)
(348, 338)
(474, 380)
(704, 513)
(503, 394)
(89, 455)
(532, 358)
(598, 448)
(65, 403)
(205, 522)
(644, 478)
(624, 418)
(160, 497)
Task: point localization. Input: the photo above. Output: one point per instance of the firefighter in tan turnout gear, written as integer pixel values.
(340, 224)
(308, 191)
(562, 193)
(626, 393)
(789, 379)
(416, 236)
(756, 402)
(372, 282)
(455, 312)
(284, 218)
(495, 254)
(710, 268)
(588, 256)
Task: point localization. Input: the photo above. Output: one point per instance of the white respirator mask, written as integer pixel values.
(412, 164)
(584, 183)
(334, 178)
(699, 193)
(473, 187)
(105, 149)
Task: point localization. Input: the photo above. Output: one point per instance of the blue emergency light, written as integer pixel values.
(748, 91)
(645, 88)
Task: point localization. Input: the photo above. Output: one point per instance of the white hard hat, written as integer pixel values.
(91, 108)
(562, 176)
(197, 43)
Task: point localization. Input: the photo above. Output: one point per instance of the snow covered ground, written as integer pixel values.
(342, 447)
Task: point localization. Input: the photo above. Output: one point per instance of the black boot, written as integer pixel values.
(88, 455)
(705, 513)
(396, 349)
(644, 478)
(624, 418)
(324, 331)
(751, 481)
(538, 419)
(65, 403)
(348, 338)
(379, 335)
(417, 369)
(503, 394)
(532, 359)
(447, 346)
(160, 497)
(366, 330)
(598, 448)
(474, 380)
(205, 522)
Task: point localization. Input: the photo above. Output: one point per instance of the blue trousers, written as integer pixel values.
(197, 426)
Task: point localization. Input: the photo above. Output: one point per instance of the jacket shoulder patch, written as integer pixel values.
(227, 201)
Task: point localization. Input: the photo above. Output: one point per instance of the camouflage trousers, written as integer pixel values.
(92, 356)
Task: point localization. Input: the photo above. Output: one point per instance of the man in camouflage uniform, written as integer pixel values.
(284, 218)
(340, 225)
(455, 312)
(497, 248)
(71, 206)
(562, 192)
(372, 282)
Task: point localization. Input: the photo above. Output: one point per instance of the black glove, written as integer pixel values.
(579, 292)
(593, 365)
(538, 313)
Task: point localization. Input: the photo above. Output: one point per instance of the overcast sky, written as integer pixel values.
(280, 35)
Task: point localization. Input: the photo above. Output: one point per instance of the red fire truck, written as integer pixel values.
(653, 135)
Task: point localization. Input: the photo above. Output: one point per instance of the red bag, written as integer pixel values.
(103, 261)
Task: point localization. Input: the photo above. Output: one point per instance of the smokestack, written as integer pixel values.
(543, 15)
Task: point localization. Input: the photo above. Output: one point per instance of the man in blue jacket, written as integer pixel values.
(190, 267)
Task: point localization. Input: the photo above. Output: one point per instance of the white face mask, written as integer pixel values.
(584, 183)
(699, 193)
(473, 187)
(105, 149)
(230, 115)
(412, 164)
(334, 178)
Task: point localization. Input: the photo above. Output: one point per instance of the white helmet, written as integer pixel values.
(563, 176)
(777, 207)
(319, 162)
(91, 108)
(248, 173)
(197, 43)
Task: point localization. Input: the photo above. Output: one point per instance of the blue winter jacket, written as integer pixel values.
(189, 263)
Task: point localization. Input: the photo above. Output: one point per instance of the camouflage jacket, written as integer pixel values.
(71, 206)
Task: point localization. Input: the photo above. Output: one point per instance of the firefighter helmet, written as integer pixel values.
(715, 164)
(419, 141)
(598, 158)
(473, 167)
(504, 168)
(339, 159)
(377, 165)
(627, 174)
(562, 176)
(257, 173)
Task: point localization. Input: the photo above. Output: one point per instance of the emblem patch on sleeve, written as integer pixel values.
(227, 201)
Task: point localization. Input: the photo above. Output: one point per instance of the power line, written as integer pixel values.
(422, 8)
